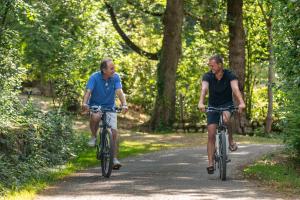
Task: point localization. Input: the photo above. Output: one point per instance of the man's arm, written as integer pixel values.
(236, 91)
(86, 97)
(122, 98)
(204, 89)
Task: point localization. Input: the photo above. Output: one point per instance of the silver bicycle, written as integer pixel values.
(221, 157)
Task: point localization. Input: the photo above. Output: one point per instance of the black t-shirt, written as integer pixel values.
(220, 92)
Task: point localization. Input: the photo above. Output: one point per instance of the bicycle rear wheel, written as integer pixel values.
(223, 156)
(106, 153)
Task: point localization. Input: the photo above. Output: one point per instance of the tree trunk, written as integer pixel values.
(164, 110)
(237, 50)
(268, 20)
(269, 119)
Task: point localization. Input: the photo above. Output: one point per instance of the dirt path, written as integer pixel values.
(170, 174)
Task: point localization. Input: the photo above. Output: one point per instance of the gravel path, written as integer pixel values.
(170, 174)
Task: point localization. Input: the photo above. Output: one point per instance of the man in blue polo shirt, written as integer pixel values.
(100, 91)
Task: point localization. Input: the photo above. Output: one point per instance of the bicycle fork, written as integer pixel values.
(100, 145)
(218, 143)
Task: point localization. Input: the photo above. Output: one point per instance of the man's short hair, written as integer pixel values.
(103, 64)
(217, 58)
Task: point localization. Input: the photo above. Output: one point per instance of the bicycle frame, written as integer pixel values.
(222, 129)
(221, 143)
(105, 148)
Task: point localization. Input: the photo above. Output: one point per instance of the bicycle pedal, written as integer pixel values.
(229, 160)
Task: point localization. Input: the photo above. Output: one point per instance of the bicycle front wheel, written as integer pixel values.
(223, 156)
(106, 153)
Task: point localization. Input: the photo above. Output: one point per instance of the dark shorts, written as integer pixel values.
(214, 117)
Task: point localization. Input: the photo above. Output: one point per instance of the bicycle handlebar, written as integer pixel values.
(96, 109)
(214, 109)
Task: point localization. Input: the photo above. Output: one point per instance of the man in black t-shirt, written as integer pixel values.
(221, 84)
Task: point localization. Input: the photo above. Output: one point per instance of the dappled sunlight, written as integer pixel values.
(240, 153)
(181, 164)
(147, 160)
(178, 174)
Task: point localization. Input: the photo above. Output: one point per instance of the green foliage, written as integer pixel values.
(287, 52)
(36, 142)
(287, 46)
(292, 122)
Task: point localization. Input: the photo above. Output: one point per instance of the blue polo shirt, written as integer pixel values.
(103, 91)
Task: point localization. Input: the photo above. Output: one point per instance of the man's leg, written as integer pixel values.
(115, 142)
(211, 143)
(94, 125)
(227, 120)
(113, 124)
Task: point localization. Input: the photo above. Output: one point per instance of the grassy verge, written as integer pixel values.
(278, 172)
(257, 139)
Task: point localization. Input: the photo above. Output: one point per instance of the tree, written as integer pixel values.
(237, 46)
(164, 110)
(267, 14)
(169, 55)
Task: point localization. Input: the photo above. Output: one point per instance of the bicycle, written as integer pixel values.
(104, 146)
(221, 157)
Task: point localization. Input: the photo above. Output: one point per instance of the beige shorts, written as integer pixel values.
(111, 119)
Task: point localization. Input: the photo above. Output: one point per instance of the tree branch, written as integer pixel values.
(155, 14)
(152, 56)
(267, 20)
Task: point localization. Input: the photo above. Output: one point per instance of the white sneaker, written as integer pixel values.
(92, 142)
(116, 164)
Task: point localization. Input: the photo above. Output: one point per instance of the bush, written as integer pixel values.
(292, 125)
(35, 142)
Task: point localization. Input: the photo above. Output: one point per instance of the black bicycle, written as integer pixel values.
(221, 157)
(104, 146)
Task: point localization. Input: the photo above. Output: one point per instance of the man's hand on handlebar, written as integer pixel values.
(124, 108)
(85, 108)
(201, 107)
(241, 107)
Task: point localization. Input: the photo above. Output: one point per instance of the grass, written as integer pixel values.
(245, 139)
(277, 171)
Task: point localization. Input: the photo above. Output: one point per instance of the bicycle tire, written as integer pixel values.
(106, 153)
(223, 156)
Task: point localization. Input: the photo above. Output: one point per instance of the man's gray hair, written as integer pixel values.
(103, 64)
(217, 58)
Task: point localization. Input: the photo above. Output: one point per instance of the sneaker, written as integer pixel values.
(92, 142)
(116, 164)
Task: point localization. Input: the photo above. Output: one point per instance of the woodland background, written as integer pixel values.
(160, 48)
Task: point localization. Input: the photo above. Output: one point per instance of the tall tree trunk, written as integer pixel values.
(269, 119)
(164, 109)
(268, 20)
(237, 50)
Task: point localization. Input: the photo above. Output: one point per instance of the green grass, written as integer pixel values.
(276, 172)
(257, 139)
